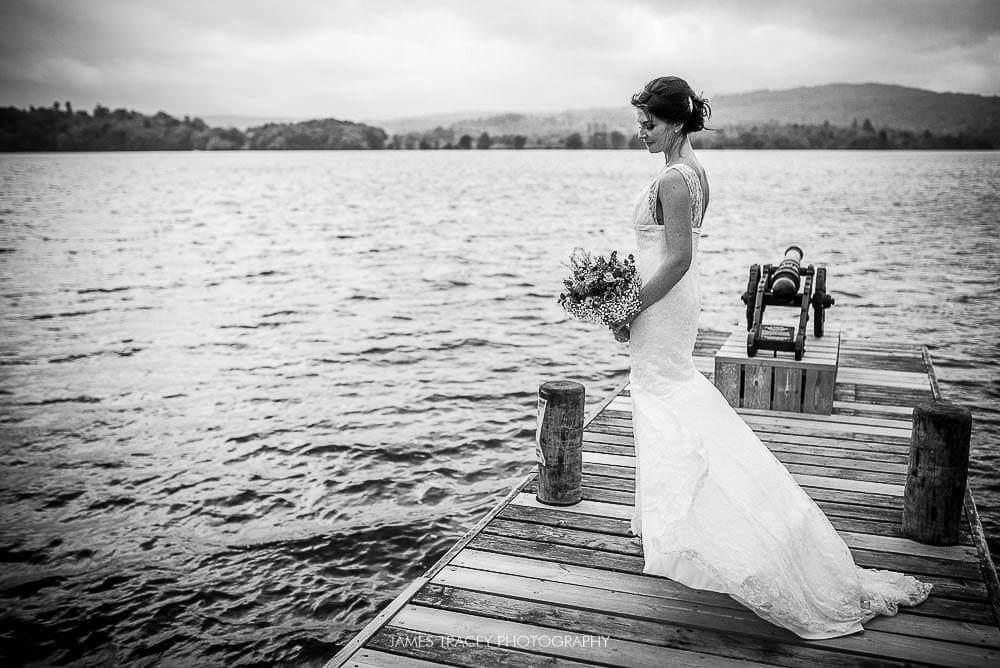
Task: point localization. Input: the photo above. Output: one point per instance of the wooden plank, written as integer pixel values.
(832, 458)
(869, 360)
(612, 598)
(854, 459)
(849, 485)
(704, 365)
(925, 569)
(720, 622)
(626, 474)
(907, 348)
(598, 508)
(553, 516)
(624, 545)
(871, 410)
(610, 460)
(844, 517)
(868, 444)
(901, 545)
(795, 462)
(893, 379)
(855, 498)
(471, 652)
(810, 419)
(858, 433)
(815, 360)
(815, 424)
(828, 482)
(904, 623)
(872, 392)
(727, 380)
(897, 417)
(915, 378)
(443, 610)
(803, 424)
(374, 658)
(861, 499)
(757, 386)
(787, 389)
(836, 471)
(858, 449)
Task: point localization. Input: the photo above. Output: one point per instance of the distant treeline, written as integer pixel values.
(862, 135)
(61, 128)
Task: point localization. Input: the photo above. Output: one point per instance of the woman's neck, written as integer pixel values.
(679, 151)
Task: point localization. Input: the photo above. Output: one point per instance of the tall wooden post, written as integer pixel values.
(938, 472)
(559, 442)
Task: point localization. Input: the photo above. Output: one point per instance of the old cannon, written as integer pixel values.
(780, 286)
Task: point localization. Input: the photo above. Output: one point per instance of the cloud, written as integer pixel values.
(389, 58)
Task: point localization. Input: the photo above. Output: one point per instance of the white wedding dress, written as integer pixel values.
(714, 508)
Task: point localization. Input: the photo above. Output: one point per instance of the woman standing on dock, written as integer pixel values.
(715, 509)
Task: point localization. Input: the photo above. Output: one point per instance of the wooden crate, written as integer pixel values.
(775, 380)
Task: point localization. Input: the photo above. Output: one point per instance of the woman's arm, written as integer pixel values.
(675, 199)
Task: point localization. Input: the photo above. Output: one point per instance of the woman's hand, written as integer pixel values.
(621, 331)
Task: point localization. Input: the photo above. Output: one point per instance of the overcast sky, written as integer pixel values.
(379, 59)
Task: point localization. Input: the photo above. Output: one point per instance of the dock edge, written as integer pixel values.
(972, 514)
(358, 641)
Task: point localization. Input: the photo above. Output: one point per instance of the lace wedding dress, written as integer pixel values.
(714, 508)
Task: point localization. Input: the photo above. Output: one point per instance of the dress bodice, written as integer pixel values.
(673, 317)
(645, 208)
(651, 241)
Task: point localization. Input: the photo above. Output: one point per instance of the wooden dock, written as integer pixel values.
(532, 584)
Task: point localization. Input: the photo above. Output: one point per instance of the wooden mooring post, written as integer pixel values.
(938, 472)
(559, 442)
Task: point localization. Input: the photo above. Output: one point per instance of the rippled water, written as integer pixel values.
(247, 397)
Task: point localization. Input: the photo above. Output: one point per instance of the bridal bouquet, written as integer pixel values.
(600, 289)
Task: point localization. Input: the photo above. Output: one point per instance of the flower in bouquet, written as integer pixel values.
(601, 289)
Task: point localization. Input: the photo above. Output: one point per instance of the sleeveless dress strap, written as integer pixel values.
(694, 190)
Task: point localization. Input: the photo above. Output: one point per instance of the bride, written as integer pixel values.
(714, 508)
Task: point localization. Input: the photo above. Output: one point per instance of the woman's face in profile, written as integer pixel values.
(652, 131)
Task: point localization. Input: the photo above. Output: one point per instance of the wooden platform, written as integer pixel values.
(537, 585)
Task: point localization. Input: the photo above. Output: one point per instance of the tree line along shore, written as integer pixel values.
(62, 128)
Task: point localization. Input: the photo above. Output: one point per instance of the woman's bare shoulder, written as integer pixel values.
(674, 197)
(672, 185)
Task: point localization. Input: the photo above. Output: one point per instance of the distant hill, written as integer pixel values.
(839, 104)
(842, 104)
(428, 121)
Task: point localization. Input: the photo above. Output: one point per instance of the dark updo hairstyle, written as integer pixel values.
(671, 99)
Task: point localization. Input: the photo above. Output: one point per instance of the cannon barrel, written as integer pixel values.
(785, 283)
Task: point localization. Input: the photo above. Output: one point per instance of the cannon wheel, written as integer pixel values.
(819, 311)
(752, 292)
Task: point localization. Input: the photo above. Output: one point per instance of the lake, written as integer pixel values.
(247, 397)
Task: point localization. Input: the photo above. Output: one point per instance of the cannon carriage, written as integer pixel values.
(780, 286)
